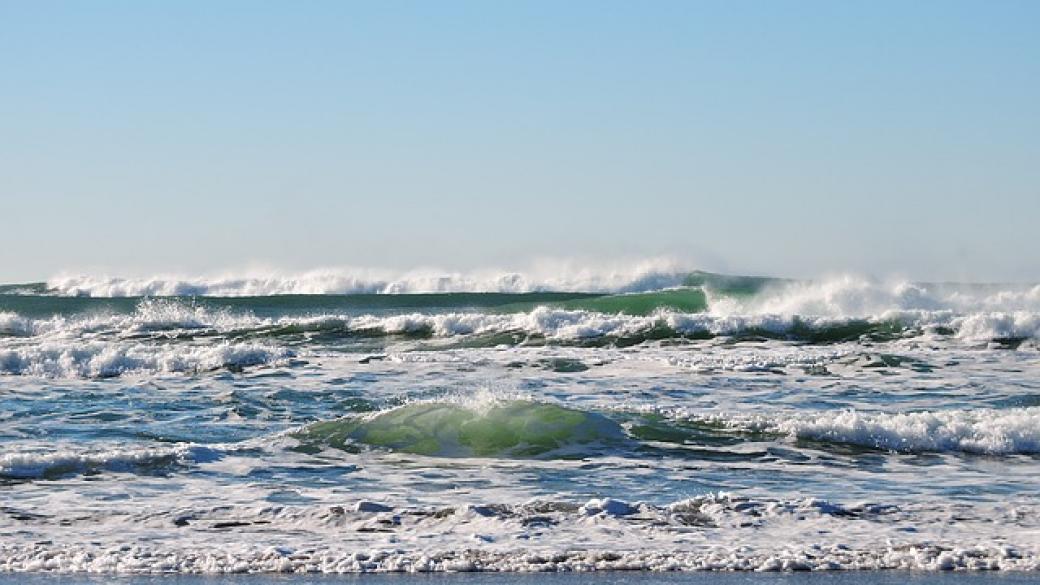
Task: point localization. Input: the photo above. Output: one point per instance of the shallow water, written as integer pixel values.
(609, 578)
(727, 424)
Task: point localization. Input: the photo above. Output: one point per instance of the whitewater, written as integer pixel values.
(564, 418)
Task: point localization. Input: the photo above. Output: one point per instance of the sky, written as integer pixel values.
(792, 138)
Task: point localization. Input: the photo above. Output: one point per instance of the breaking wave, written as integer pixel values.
(983, 431)
(977, 431)
(56, 461)
(100, 359)
(608, 319)
(641, 276)
(491, 427)
(86, 337)
(503, 429)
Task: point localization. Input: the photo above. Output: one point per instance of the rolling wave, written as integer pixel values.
(173, 320)
(88, 337)
(504, 429)
(638, 277)
(525, 428)
(98, 359)
(176, 337)
(982, 431)
(56, 461)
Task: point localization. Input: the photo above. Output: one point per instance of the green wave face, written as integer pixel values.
(691, 298)
(34, 300)
(730, 285)
(511, 429)
(688, 300)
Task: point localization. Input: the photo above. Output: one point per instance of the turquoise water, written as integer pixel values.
(667, 422)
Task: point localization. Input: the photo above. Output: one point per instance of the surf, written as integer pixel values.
(518, 428)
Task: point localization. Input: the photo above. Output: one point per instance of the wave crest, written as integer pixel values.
(553, 276)
(513, 428)
(983, 431)
(106, 360)
(56, 462)
(979, 431)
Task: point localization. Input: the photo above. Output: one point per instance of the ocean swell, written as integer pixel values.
(640, 276)
(99, 359)
(982, 431)
(55, 461)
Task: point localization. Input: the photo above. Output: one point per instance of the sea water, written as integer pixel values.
(341, 422)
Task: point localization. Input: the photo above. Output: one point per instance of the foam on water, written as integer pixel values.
(13, 324)
(55, 460)
(986, 431)
(513, 428)
(551, 275)
(556, 323)
(850, 295)
(98, 359)
(714, 532)
(171, 336)
(726, 423)
(983, 430)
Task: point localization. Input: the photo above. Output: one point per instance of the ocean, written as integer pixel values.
(657, 420)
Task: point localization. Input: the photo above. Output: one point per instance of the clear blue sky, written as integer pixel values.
(789, 138)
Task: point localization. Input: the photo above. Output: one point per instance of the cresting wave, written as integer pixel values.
(551, 276)
(863, 424)
(170, 337)
(676, 313)
(110, 359)
(840, 296)
(517, 428)
(53, 461)
(980, 431)
(87, 337)
(523, 428)
(983, 431)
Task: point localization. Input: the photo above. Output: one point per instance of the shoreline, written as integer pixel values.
(849, 577)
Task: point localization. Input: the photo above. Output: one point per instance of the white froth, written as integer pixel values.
(856, 296)
(98, 359)
(706, 533)
(172, 336)
(988, 431)
(58, 460)
(549, 276)
(981, 430)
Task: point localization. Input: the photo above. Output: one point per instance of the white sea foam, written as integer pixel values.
(164, 336)
(710, 532)
(580, 324)
(856, 296)
(150, 315)
(983, 430)
(55, 460)
(13, 324)
(974, 313)
(548, 276)
(125, 506)
(993, 432)
(98, 359)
